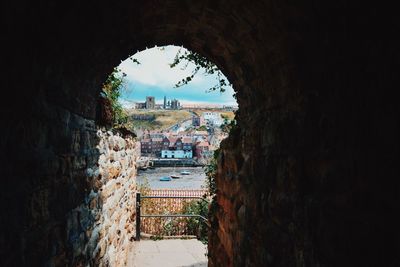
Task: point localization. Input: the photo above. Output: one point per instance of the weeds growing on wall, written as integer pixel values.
(112, 91)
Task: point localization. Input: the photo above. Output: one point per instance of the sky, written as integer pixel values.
(154, 77)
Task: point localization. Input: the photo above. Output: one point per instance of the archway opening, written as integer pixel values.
(181, 107)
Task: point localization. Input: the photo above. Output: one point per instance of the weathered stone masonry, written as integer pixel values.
(101, 230)
(80, 210)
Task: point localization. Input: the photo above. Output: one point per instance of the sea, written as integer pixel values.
(195, 180)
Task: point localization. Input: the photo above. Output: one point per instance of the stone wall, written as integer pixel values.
(101, 230)
(48, 162)
(71, 203)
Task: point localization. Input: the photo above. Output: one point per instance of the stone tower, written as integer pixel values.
(150, 102)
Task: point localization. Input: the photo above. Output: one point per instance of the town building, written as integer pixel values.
(229, 108)
(175, 104)
(203, 149)
(150, 102)
(140, 105)
(200, 135)
(176, 145)
(156, 145)
(212, 119)
(171, 104)
(187, 143)
(178, 154)
(198, 121)
(156, 134)
(146, 147)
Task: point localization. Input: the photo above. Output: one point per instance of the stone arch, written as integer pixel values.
(293, 177)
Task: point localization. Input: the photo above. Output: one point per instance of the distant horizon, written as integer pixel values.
(183, 103)
(154, 77)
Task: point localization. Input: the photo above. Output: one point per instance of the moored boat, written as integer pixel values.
(175, 177)
(185, 172)
(165, 178)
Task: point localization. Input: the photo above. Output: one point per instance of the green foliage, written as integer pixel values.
(228, 125)
(211, 172)
(202, 128)
(134, 60)
(197, 225)
(112, 89)
(200, 63)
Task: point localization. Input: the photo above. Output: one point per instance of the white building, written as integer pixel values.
(177, 154)
(212, 118)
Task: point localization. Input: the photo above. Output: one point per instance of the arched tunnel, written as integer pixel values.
(309, 177)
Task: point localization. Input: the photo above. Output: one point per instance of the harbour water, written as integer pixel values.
(194, 180)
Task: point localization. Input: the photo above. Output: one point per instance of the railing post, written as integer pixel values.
(137, 216)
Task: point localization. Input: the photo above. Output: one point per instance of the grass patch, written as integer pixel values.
(163, 118)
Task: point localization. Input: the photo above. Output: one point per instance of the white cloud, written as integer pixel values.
(153, 76)
(127, 103)
(154, 67)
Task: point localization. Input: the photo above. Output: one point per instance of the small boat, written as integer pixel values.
(185, 172)
(165, 179)
(175, 177)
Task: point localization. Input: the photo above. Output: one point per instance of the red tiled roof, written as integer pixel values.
(172, 141)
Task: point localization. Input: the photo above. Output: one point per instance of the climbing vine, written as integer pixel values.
(112, 89)
(211, 172)
(200, 63)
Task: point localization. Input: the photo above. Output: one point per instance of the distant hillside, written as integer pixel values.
(156, 119)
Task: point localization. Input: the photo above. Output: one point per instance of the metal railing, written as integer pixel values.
(139, 215)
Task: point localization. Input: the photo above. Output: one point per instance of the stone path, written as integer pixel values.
(168, 253)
